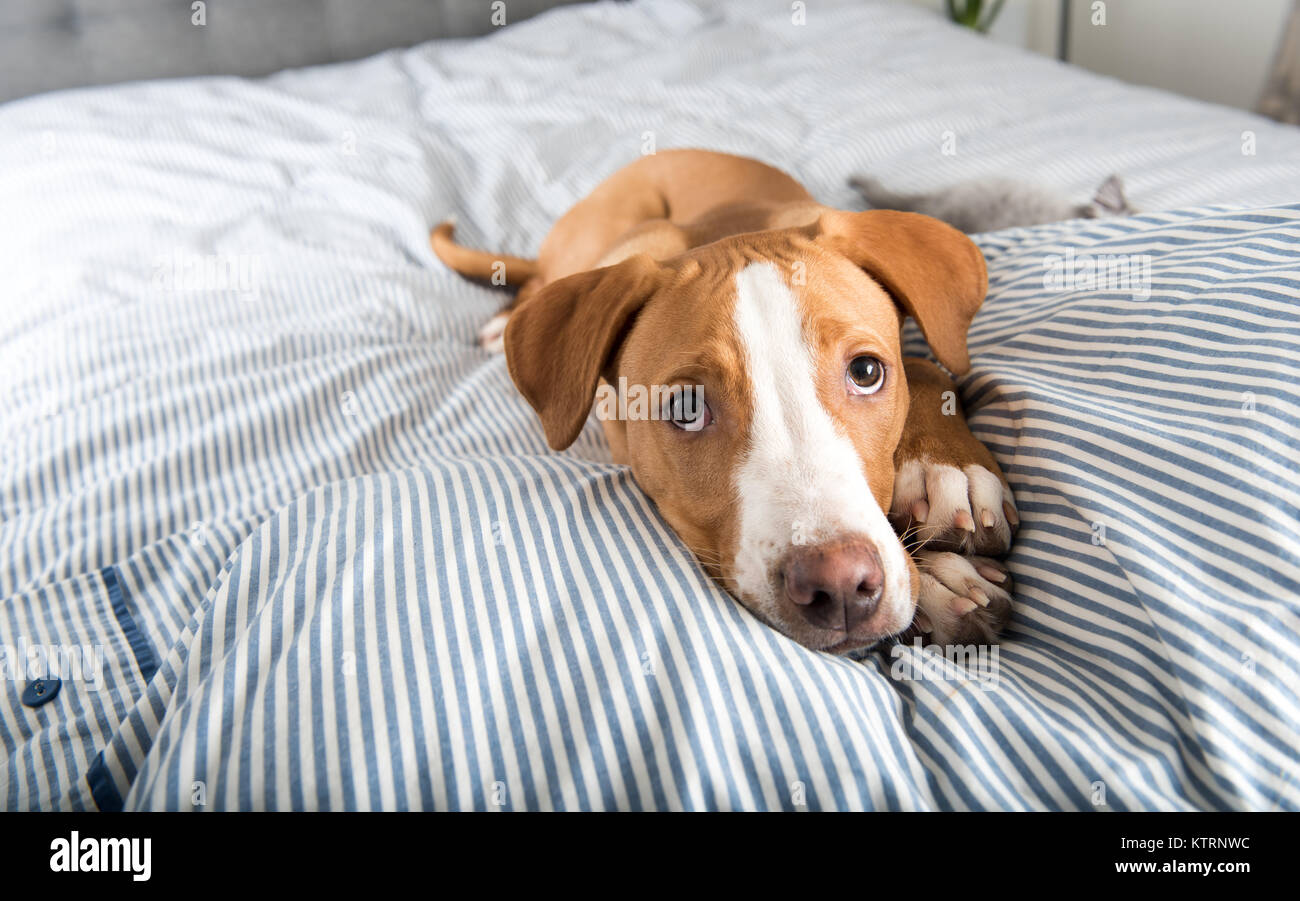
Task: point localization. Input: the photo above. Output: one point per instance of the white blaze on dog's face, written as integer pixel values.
(803, 482)
(780, 481)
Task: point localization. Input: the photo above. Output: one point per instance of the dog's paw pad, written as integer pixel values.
(492, 337)
(962, 599)
(966, 509)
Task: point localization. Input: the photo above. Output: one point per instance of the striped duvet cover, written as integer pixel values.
(255, 466)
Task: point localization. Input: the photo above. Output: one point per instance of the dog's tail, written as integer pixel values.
(498, 268)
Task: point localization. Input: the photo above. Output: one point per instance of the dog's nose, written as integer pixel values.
(834, 586)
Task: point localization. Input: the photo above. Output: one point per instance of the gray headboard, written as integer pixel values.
(50, 44)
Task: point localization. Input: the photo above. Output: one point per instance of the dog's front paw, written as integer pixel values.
(967, 509)
(963, 600)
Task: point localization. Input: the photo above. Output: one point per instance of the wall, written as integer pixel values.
(1209, 49)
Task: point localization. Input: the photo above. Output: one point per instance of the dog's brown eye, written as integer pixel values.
(866, 375)
(685, 408)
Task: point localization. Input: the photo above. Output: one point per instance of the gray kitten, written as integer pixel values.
(986, 205)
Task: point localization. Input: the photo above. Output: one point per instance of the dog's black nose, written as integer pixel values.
(834, 586)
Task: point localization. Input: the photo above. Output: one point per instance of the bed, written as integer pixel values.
(252, 454)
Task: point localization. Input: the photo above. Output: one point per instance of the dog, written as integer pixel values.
(828, 483)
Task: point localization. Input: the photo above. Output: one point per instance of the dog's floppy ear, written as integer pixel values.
(560, 340)
(933, 271)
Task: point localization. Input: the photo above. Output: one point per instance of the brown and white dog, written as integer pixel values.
(690, 268)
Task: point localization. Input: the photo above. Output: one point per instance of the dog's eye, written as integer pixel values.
(686, 409)
(866, 375)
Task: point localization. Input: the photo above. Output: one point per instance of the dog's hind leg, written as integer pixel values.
(492, 336)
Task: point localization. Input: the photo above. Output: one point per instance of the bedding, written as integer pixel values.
(253, 457)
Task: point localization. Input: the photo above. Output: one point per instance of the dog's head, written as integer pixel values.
(763, 398)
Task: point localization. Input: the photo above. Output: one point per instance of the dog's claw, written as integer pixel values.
(962, 606)
(1009, 511)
